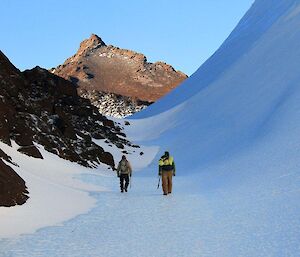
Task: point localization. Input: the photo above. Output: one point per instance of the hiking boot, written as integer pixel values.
(122, 191)
(125, 189)
(165, 194)
(169, 192)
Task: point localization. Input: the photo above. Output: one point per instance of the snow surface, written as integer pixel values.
(233, 128)
(55, 194)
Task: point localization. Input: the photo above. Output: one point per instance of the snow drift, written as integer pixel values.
(247, 91)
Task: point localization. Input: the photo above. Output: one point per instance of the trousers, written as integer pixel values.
(124, 178)
(167, 181)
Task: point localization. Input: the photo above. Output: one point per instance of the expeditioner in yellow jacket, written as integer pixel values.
(166, 171)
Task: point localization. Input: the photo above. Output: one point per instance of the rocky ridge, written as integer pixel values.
(40, 108)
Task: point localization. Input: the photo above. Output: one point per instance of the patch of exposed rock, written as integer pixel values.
(114, 105)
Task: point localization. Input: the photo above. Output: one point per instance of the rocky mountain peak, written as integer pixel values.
(89, 44)
(98, 68)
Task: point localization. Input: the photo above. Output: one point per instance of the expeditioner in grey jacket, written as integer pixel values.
(124, 171)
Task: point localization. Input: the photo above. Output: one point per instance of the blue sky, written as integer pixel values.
(181, 33)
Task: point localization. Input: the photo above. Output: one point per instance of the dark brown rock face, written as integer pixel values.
(110, 69)
(12, 187)
(38, 107)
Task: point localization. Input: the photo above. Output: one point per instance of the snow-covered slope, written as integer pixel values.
(246, 92)
(254, 27)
